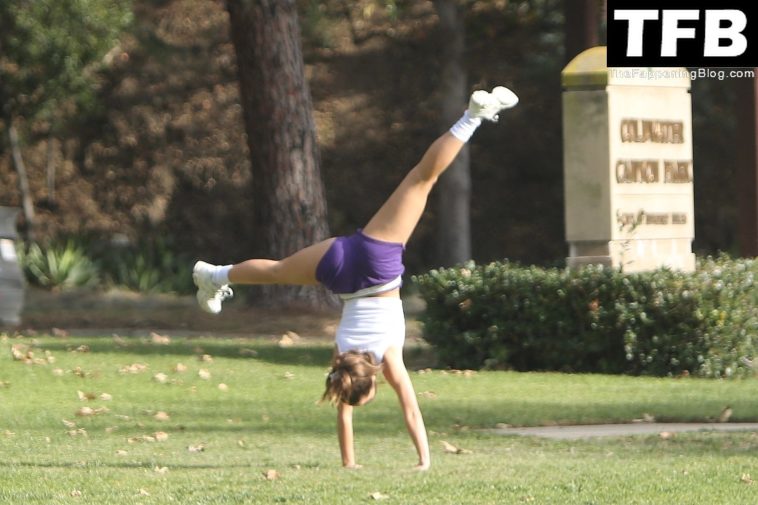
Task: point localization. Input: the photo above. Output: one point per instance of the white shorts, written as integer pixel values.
(371, 324)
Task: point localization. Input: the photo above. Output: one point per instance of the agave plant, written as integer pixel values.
(59, 266)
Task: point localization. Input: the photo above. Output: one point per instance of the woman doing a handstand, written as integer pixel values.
(365, 270)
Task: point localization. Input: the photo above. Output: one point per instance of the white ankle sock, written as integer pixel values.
(465, 127)
(220, 275)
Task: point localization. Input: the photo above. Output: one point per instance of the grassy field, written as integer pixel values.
(140, 421)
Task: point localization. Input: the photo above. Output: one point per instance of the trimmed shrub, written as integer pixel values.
(594, 319)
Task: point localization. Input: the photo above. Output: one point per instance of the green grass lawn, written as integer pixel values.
(214, 445)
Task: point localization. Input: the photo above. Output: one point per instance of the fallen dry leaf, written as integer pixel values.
(160, 339)
(105, 397)
(666, 435)
(289, 375)
(223, 387)
(134, 368)
(205, 358)
(121, 452)
(180, 368)
(746, 479)
(85, 412)
(646, 418)
(143, 492)
(161, 470)
(160, 378)
(85, 396)
(378, 496)
(725, 414)
(289, 339)
(58, 372)
(161, 416)
(428, 394)
(196, 448)
(158, 436)
(89, 411)
(68, 424)
(204, 374)
(79, 432)
(21, 352)
(82, 349)
(76, 493)
(451, 449)
(271, 474)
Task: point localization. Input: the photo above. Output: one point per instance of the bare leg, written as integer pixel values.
(394, 222)
(300, 268)
(398, 217)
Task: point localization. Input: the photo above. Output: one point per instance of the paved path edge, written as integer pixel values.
(578, 432)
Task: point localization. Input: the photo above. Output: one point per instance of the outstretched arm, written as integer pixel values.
(397, 376)
(345, 435)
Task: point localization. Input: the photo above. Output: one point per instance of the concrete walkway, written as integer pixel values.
(621, 430)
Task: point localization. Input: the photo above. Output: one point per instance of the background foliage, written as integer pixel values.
(149, 266)
(51, 51)
(161, 152)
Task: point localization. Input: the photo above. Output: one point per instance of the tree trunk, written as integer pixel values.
(454, 187)
(581, 21)
(289, 200)
(27, 202)
(747, 164)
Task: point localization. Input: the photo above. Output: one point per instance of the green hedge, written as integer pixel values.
(595, 319)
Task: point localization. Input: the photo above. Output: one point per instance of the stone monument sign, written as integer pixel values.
(627, 165)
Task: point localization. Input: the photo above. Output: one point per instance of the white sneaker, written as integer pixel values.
(209, 294)
(486, 105)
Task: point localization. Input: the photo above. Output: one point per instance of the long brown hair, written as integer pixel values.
(351, 377)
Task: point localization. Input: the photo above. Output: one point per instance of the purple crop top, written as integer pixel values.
(357, 261)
